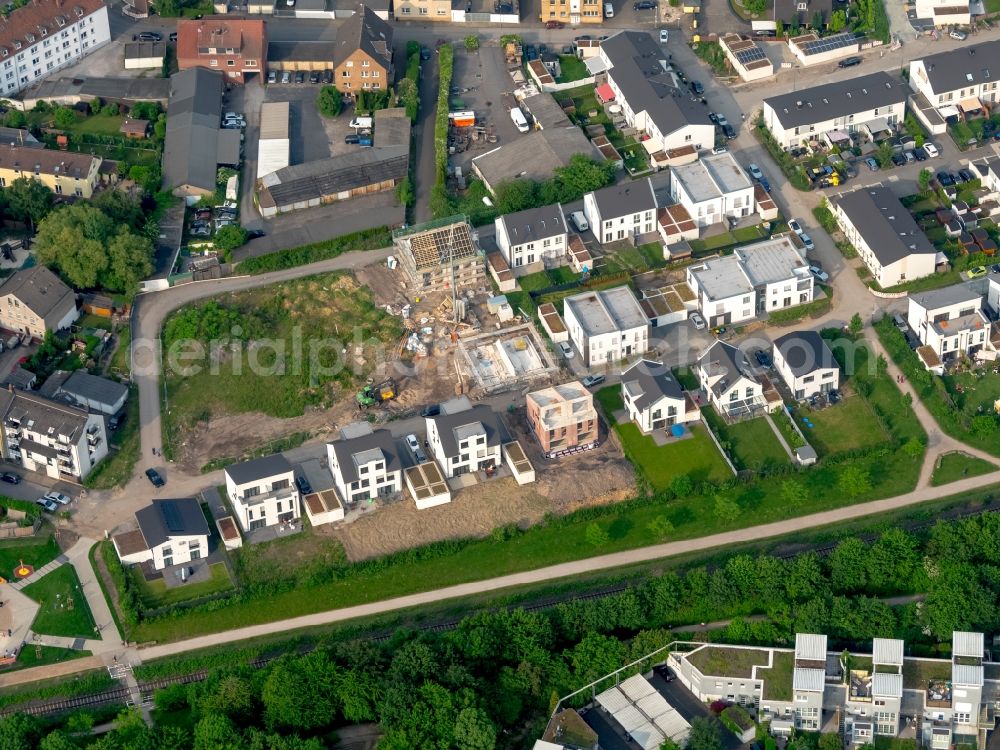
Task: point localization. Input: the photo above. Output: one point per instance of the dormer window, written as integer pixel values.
(79, 11)
(4, 52)
(42, 30)
(30, 37)
(60, 21)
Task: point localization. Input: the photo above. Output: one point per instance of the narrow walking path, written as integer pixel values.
(39, 574)
(781, 438)
(110, 640)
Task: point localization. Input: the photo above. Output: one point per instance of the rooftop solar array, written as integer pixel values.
(171, 516)
(749, 54)
(829, 43)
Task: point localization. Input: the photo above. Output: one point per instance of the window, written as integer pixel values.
(213, 63)
(406, 10)
(230, 63)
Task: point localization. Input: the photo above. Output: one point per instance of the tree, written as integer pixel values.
(848, 566)
(913, 447)
(726, 509)
(160, 127)
(515, 195)
(581, 176)
(838, 21)
(705, 734)
(595, 535)
(924, 179)
(404, 192)
(329, 102)
(64, 117)
(19, 732)
(817, 20)
(474, 730)
(830, 741)
(793, 493)
(73, 239)
(660, 527)
(30, 201)
(120, 207)
(856, 324)
(779, 29)
(216, 732)
(299, 693)
(146, 110)
(229, 238)
(805, 577)
(854, 481)
(755, 7)
(472, 42)
(15, 118)
(57, 740)
(408, 95)
(682, 485)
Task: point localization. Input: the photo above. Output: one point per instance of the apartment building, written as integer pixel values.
(428, 10)
(885, 235)
(363, 54)
(874, 692)
(961, 80)
(235, 47)
(263, 492)
(34, 301)
(870, 104)
(532, 239)
(465, 438)
(50, 437)
(171, 532)
(713, 189)
(365, 463)
(573, 12)
(607, 325)
(621, 212)
(731, 385)
(654, 398)
(950, 323)
(955, 709)
(44, 36)
(563, 418)
(62, 172)
(806, 364)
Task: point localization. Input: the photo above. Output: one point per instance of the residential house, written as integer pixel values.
(941, 13)
(988, 172)
(651, 97)
(50, 437)
(532, 239)
(263, 492)
(806, 364)
(90, 392)
(955, 709)
(870, 103)
(365, 463)
(44, 36)
(563, 418)
(363, 55)
(171, 532)
(440, 255)
(874, 696)
(731, 385)
(950, 323)
(607, 325)
(885, 235)
(574, 12)
(465, 438)
(802, 13)
(805, 711)
(755, 280)
(196, 143)
(62, 172)
(422, 10)
(34, 301)
(713, 189)
(961, 81)
(621, 212)
(653, 397)
(236, 47)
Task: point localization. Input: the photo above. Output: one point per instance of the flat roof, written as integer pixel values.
(607, 310)
(712, 177)
(425, 480)
(721, 278)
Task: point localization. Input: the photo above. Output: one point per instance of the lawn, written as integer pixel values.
(726, 240)
(93, 321)
(116, 469)
(39, 656)
(610, 399)
(98, 124)
(156, 594)
(778, 678)
(62, 608)
(954, 466)
(687, 379)
(731, 662)
(34, 552)
(916, 674)
(281, 351)
(695, 456)
(846, 426)
(752, 443)
(121, 360)
(992, 6)
(572, 68)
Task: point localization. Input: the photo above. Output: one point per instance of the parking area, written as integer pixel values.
(305, 123)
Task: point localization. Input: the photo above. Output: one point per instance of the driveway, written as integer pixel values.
(423, 139)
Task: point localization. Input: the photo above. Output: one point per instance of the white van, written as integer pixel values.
(518, 117)
(609, 10)
(582, 225)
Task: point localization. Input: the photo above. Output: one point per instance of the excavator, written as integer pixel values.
(374, 394)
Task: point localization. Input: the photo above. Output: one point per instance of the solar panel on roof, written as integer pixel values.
(171, 516)
(750, 55)
(838, 41)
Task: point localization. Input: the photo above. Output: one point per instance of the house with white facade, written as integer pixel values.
(953, 698)
(607, 325)
(988, 172)
(942, 13)
(50, 437)
(465, 438)
(806, 364)
(726, 376)
(874, 695)
(621, 212)
(653, 98)
(958, 82)
(44, 36)
(713, 189)
(532, 239)
(365, 463)
(872, 103)
(654, 398)
(263, 492)
(171, 532)
(950, 323)
(885, 235)
(755, 280)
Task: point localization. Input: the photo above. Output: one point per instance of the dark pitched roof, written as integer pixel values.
(89, 387)
(730, 361)
(965, 66)
(887, 227)
(647, 382)
(534, 224)
(347, 448)
(787, 11)
(837, 99)
(163, 519)
(258, 468)
(38, 289)
(365, 31)
(448, 422)
(29, 159)
(194, 114)
(804, 352)
(625, 199)
(638, 68)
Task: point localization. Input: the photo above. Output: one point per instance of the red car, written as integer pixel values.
(554, 24)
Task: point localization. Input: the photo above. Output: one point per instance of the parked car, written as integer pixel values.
(720, 120)
(807, 242)
(931, 150)
(919, 154)
(431, 410)
(697, 321)
(147, 36)
(713, 117)
(554, 24)
(719, 149)
(872, 164)
(964, 175)
(794, 225)
(959, 35)
(272, 76)
(300, 76)
(155, 478)
(414, 445)
(314, 77)
(664, 36)
(755, 172)
(728, 130)
(566, 349)
(303, 484)
(819, 273)
(898, 159)
(204, 231)
(10, 477)
(286, 76)
(946, 179)
(995, 268)
(763, 358)
(849, 62)
(530, 52)
(425, 54)
(58, 497)
(909, 157)
(976, 272)
(328, 76)
(580, 221)
(47, 504)
(696, 88)
(173, 36)
(352, 139)
(644, 5)
(591, 380)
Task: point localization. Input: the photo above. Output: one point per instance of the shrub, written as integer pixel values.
(369, 239)
(329, 102)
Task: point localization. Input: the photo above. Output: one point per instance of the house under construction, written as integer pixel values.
(441, 255)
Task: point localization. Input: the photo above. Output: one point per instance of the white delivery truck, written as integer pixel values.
(518, 117)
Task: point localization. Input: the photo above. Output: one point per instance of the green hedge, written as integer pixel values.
(368, 239)
(812, 309)
(446, 67)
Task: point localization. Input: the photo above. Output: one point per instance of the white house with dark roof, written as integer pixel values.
(90, 392)
(885, 235)
(960, 80)
(607, 325)
(650, 96)
(621, 212)
(713, 189)
(263, 492)
(876, 101)
(988, 172)
(806, 364)
(171, 532)
(950, 322)
(365, 463)
(653, 397)
(731, 385)
(532, 237)
(465, 438)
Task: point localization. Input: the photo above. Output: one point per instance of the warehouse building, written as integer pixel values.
(273, 147)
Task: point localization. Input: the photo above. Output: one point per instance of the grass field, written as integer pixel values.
(753, 443)
(572, 68)
(778, 679)
(279, 350)
(695, 456)
(116, 468)
(39, 656)
(156, 594)
(842, 427)
(955, 466)
(34, 552)
(62, 608)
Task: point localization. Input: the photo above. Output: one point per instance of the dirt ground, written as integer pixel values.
(475, 512)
